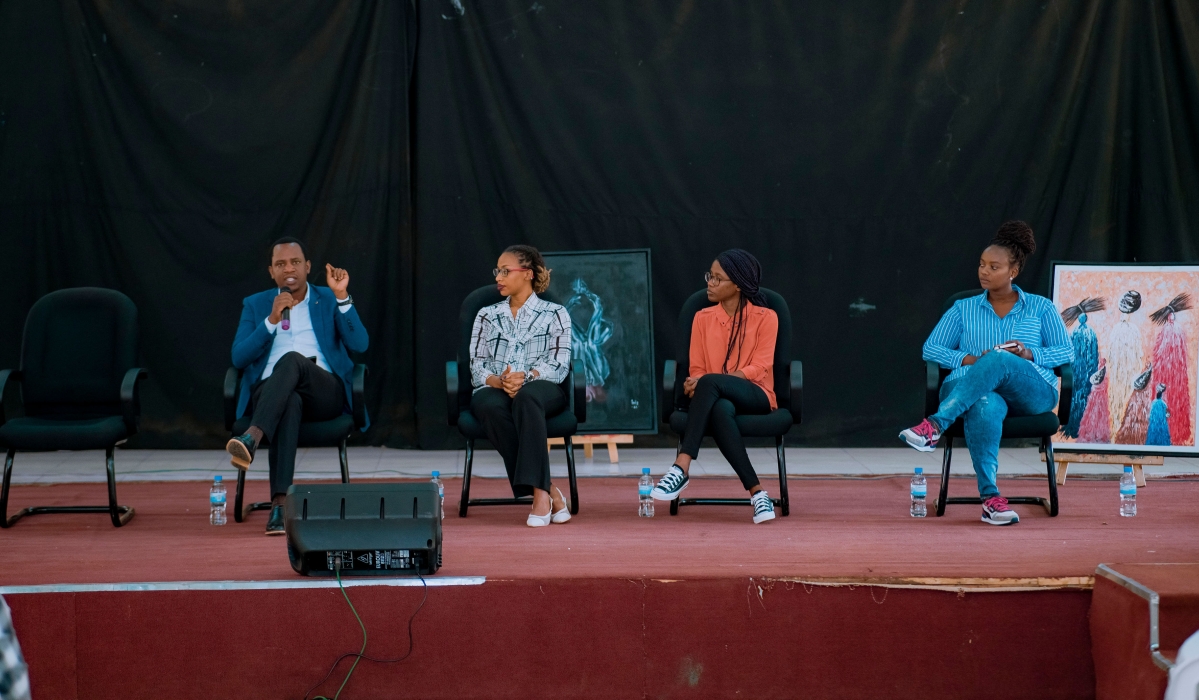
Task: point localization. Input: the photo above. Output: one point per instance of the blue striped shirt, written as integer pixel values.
(971, 327)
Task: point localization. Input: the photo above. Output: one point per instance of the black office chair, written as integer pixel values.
(1043, 426)
(788, 390)
(78, 386)
(459, 390)
(328, 433)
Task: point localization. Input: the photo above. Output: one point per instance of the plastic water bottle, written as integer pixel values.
(1128, 493)
(646, 484)
(919, 494)
(440, 492)
(216, 502)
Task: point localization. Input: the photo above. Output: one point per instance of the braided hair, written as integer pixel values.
(744, 271)
(531, 258)
(1016, 237)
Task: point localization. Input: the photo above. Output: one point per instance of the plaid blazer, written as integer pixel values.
(538, 338)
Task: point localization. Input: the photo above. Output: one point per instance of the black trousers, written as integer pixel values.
(718, 399)
(516, 426)
(297, 390)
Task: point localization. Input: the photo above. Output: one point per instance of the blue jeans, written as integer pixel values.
(999, 383)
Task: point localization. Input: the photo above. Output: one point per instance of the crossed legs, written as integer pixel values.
(717, 400)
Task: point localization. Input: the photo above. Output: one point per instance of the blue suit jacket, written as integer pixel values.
(336, 333)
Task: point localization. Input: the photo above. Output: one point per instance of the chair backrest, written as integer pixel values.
(782, 345)
(77, 347)
(953, 299)
(476, 300)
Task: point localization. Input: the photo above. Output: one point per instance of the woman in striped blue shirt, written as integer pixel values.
(1002, 346)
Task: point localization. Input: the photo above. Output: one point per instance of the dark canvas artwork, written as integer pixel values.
(607, 294)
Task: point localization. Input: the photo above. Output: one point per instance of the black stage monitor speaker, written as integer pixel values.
(370, 529)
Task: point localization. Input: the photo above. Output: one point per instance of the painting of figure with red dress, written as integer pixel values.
(1135, 333)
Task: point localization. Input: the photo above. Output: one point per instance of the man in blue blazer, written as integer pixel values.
(293, 342)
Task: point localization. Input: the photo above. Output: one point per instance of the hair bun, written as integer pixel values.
(1016, 235)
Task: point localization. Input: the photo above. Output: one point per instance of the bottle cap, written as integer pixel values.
(436, 473)
(218, 477)
(919, 470)
(645, 470)
(1127, 468)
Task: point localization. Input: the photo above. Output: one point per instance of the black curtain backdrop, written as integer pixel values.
(159, 147)
(864, 150)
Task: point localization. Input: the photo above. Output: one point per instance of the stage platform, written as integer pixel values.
(848, 597)
(384, 463)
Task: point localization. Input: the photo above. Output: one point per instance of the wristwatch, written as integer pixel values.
(347, 301)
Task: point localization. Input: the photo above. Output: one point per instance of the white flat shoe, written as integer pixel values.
(562, 515)
(540, 520)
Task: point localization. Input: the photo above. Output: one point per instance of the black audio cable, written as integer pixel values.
(361, 655)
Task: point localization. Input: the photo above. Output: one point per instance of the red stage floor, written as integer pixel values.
(846, 528)
(702, 605)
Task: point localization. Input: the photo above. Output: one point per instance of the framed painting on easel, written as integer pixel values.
(1135, 332)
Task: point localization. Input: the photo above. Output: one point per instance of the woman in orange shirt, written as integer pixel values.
(732, 373)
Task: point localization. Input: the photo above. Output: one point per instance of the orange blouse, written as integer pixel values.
(710, 341)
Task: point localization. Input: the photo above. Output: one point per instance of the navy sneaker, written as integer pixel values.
(763, 507)
(671, 485)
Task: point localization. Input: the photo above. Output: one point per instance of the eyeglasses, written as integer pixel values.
(503, 271)
(710, 278)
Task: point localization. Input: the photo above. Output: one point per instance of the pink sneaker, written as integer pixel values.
(923, 437)
(996, 512)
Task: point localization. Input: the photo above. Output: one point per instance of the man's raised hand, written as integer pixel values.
(338, 280)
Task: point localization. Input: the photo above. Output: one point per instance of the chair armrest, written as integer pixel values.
(797, 391)
(669, 377)
(579, 390)
(451, 392)
(232, 385)
(14, 375)
(932, 388)
(1066, 372)
(358, 395)
(130, 399)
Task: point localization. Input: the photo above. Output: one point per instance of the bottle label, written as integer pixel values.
(216, 499)
(919, 491)
(644, 490)
(1128, 490)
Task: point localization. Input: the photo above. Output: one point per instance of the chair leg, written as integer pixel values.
(570, 470)
(470, 458)
(239, 513)
(345, 461)
(946, 461)
(5, 522)
(674, 505)
(1047, 445)
(119, 515)
(781, 451)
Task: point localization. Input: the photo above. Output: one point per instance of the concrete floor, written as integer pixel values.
(384, 463)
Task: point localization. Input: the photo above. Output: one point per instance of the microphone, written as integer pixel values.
(285, 324)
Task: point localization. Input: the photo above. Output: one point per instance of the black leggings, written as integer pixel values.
(718, 399)
(516, 426)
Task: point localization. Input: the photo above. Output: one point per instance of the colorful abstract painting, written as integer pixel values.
(1135, 331)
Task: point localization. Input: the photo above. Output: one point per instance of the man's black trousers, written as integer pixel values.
(298, 390)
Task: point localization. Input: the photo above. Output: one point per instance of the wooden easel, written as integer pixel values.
(1128, 460)
(589, 441)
